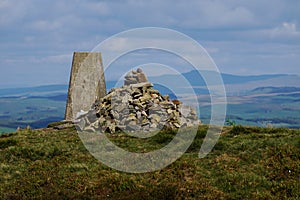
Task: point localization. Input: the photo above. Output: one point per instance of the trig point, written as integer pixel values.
(87, 83)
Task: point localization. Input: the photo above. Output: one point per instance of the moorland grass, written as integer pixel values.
(246, 163)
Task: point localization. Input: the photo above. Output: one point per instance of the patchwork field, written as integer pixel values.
(264, 110)
(36, 112)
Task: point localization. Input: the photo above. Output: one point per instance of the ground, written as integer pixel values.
(247, 162)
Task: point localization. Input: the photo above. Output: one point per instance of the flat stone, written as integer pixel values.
(136, 96)
(156, 117)
(137, 107)
(176, 125)
(89, 129)
(131, 118)
(115, 114)
(138, 115)
(176, 102)
(146, 123)
(144, 113)
(141, 85)
(154, 96)
(166, 104)
(169, 111)
(145, 98)
(95, 125)
(153, 125)
(152, 91)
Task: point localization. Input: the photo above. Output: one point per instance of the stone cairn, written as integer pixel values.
(136, 107)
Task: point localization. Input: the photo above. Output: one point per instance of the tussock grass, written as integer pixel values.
(246, 163)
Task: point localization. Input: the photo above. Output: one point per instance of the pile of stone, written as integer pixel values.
(136, 107)
(134, 77)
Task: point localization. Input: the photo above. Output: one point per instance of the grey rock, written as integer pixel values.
(136, 107)
(141, 85)
(134, 77)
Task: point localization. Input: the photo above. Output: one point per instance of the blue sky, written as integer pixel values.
(38, 38)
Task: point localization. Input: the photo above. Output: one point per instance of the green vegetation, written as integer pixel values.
(246, 163)
(274, 110)
(264, 106)
(34, 111)
(6, 130)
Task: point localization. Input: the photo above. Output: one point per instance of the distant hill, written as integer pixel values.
(262, 100)
(270, 90)
(196, 78)
(60, 97)
(31, 91)
(233, 84)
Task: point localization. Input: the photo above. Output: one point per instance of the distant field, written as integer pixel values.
(264, 107)
(276, 110)
(6, 130)
(34, 111)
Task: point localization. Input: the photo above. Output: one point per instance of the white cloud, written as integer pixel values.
(11, 11)
(63, 58)
(286, 29)
(191, 14)
(56, 59)
(99, 8)
(213, 14)
(44, 25)
(239, 57)
(240, 34)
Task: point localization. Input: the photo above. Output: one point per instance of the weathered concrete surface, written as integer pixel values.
(87, 83)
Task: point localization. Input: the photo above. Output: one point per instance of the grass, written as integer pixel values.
(246, 163)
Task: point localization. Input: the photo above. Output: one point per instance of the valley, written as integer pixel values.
(263, 106)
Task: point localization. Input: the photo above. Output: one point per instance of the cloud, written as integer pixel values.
(286, 29)
(44, 25)
(248, 35)
(213, 14)
(239, 57)
(192, 14)
(11, 11)
(98, 8)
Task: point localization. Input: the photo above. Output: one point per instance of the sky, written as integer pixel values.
(38, 38)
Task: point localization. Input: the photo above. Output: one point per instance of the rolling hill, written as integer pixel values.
(263, 100)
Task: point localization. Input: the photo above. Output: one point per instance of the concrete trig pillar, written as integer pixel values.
(87, 83)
